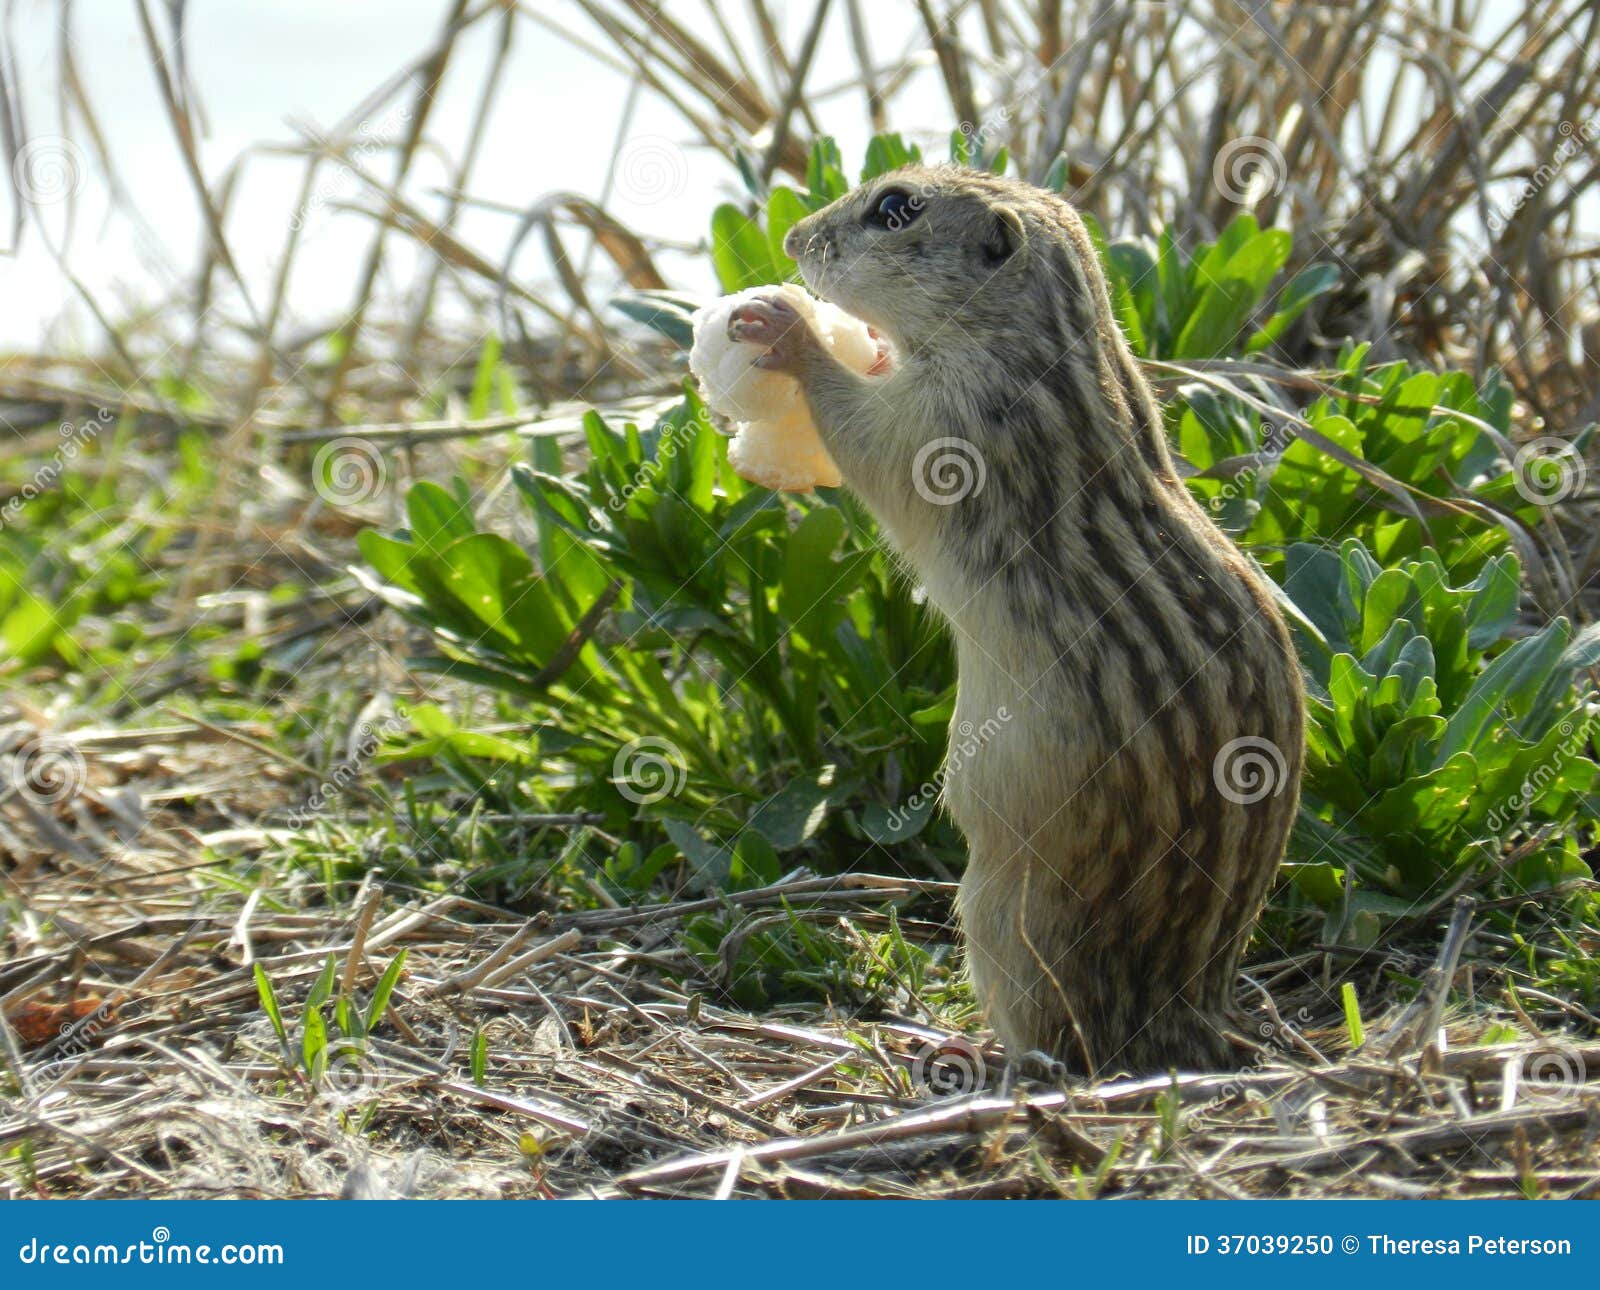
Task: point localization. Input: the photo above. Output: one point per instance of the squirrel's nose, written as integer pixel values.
(792, 242)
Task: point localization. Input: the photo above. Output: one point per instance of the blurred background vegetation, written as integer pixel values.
(362, 444)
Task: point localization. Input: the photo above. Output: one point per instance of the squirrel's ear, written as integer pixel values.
(1007, 234)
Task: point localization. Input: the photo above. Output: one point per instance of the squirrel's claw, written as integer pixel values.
(1032, 1067)
(773, 322)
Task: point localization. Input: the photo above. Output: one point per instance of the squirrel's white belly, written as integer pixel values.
(1020, 754)
(1009, 769)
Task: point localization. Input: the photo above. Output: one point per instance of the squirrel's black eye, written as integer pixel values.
(895, 210)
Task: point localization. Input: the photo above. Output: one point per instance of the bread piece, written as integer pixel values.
(775, 440)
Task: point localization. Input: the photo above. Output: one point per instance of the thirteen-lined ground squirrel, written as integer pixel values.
(1120, 849)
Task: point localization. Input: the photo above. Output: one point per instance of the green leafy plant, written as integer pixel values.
(1435, 739)
(1354, 1027)
(82, 531)
(346, 1042)
(698, 658)
(785, 955)
(789, 694)
(1174, 304)
(1422, 461)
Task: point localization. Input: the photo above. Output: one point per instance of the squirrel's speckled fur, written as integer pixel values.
(1112, 884)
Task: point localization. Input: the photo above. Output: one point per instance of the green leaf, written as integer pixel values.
(1213, 327)
(1390, 596)
(1507, 687)
(388, 556)
(825, 171)
(1493, 608)
(269, 1003)
(749, 170)
(1312, 494)
(1312, 281)
(792, 815)
(785, 209)
(669, 313)
(754, 863)
(480, 1056)
(1259, 259)
(483, 378)
(1584, 652)
(314, 1044)
(385, 988)
(322, 987)
(1174, 278)
(708, 862)
(1320, 883)
(555, 500)
(1312, 581)
(1211, 261)
(740, 252)
(437, 516)
(889, 826)
(888, 152)
(1352, 1015)
(487, 574)
(1134, 296)
(755, 512)
(814, 584)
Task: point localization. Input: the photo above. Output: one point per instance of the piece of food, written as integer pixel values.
(775, 440)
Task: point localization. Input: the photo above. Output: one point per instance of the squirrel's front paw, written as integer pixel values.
(775, 323)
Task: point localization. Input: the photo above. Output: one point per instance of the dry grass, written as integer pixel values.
(1439, 151)
(147, 1066)
(143, 1062)
(1412, 142)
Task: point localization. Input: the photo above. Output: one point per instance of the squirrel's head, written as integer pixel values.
(945, 258)
(991, 290)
